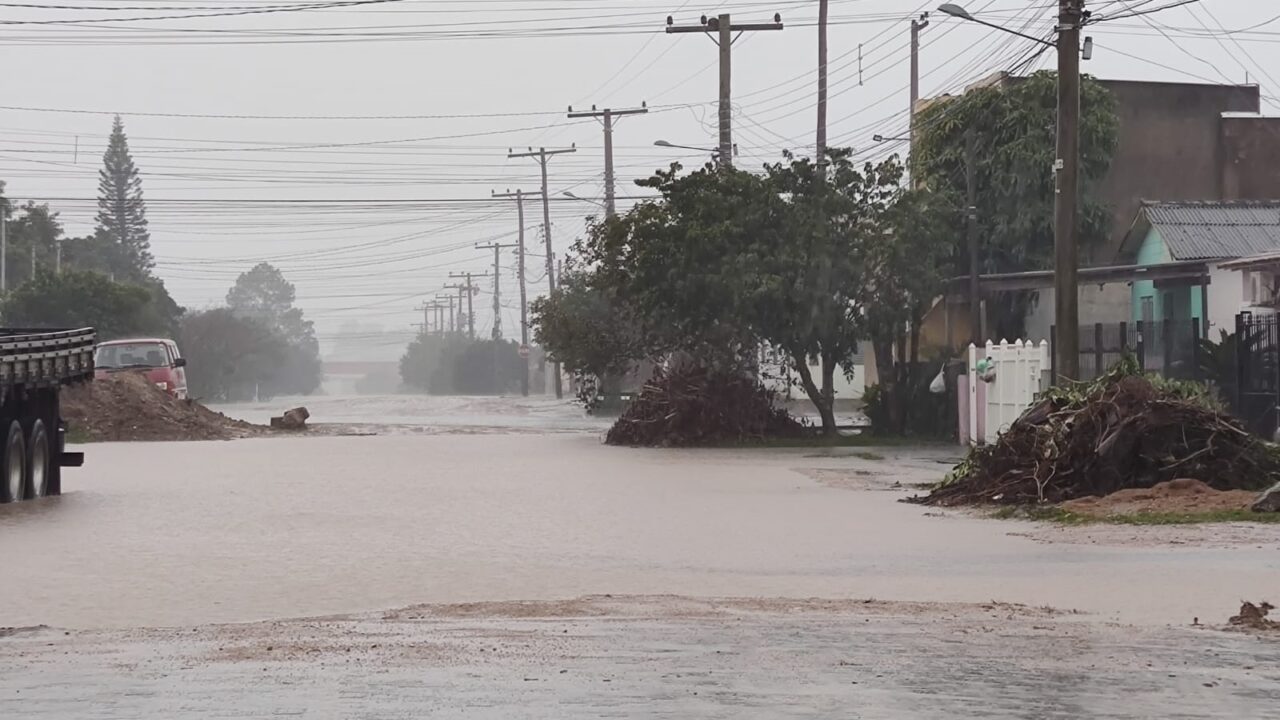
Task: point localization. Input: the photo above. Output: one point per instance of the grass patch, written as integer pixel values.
(1057, 515)
(77, 435)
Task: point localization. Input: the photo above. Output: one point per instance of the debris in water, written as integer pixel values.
(1254, 617)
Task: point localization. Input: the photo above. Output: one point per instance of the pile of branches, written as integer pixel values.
(1123, 430)
(691, 405)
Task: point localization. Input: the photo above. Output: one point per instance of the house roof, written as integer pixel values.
(1207, 230)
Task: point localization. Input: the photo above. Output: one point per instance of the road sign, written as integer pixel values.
(524, 351)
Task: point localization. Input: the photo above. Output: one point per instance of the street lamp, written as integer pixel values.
(579, 198)
(881, 138)
(665, 144)
(956, 11)
(1066, 171)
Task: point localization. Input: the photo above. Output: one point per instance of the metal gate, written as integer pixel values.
(1257, 391)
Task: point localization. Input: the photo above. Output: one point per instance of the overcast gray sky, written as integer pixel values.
(226, 114)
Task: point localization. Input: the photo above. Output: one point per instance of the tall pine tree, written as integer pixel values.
(122, 215)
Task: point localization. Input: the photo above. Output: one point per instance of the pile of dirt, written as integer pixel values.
(1121, 431)
(691, 406)
(1176, 496)
(127, 406)
(1254, 617)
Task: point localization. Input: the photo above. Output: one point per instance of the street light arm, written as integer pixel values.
(949, 10)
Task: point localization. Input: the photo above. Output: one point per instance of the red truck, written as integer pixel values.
(157, 357)
(34, 367)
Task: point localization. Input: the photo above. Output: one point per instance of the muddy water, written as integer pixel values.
(187, 533)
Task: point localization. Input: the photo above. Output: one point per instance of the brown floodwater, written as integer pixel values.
(190, 533)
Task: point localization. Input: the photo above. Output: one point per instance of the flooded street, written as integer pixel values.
(192, 536)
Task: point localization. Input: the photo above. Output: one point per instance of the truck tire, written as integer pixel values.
(13, 475)
(39, 460)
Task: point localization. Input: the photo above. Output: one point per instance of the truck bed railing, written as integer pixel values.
(46, 357)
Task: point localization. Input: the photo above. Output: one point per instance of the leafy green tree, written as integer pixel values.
(262, 294)
(232, 358)
(83, 299)
(587, 328)
(122, 236)
(1014, 128)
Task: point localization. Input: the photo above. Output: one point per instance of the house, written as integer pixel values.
(1237, 243)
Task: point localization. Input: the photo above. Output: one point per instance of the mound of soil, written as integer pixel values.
(1121, 431)
(127, 406)
(1176, 496)
(691, 406)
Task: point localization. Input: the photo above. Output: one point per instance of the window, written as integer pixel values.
(127, 355)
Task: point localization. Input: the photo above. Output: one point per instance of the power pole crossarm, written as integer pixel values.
(607, 115)
(723, 28)
(469, 289)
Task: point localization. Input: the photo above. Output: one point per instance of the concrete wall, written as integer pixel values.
(1106, 304)
(1169, 149)
(1250, 158)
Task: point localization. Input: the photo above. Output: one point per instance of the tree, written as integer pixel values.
(83, 299)
(233, 358)
(34, 230)
(263, 295)
(587, 328)
(122, 234)
(1014, 126)
(728, 260)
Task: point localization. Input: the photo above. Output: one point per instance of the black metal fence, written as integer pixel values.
(1170, 348)
(1254, 391)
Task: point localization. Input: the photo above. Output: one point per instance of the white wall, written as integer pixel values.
(1226, 299)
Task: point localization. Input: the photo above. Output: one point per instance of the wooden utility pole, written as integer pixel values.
(820, 143)
(542, 155)
(724, 36)
(452, 318)
(607, 115)
(971, 211)
(497, 286)
(1067, 192)
(519, 196)
(916, 27)
(469, 290)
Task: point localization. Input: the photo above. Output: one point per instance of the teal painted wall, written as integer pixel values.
(1178, 303)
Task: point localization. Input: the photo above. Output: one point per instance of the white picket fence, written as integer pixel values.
(1020, 373)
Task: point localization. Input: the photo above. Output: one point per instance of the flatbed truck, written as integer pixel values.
(35, 366)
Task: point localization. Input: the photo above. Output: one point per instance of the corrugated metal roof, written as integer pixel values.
(1206, 230)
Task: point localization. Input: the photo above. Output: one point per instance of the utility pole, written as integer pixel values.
(543, 155)
(519, 196)
(916, 27)
(57, 257)
(469, 288)
(426, 317)
(608, 114)
(4, 250)
(971, 185)
(1067, 193)
(820, 142)
(452, 317)
(724, 29)
(497, 286)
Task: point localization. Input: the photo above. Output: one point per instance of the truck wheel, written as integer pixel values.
(14, 466)
(38, 457)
